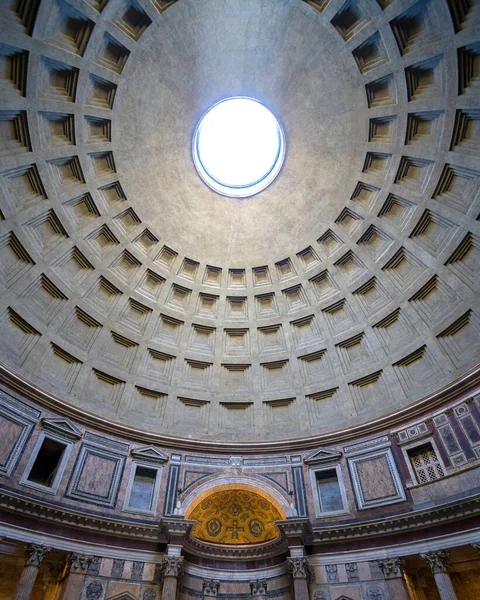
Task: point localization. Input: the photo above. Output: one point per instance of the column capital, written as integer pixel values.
(259, 587)
(210, 587)
(172, 566)
(476, 547)
(34, 554)
(437, 560)
(391, 568)
(79, 563)
(299, 567)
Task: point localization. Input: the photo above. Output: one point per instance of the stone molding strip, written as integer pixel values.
(452, 511)
(27, 536)
(445, 513)
(397, 550)
(462, 385)
(19, 534)
(12, 502)
(269, 549)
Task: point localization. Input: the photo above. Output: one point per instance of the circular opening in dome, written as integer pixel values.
(238, 147)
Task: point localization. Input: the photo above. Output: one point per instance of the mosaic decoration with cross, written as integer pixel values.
(235, 517)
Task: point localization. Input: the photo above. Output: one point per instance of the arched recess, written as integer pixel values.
(217, 484)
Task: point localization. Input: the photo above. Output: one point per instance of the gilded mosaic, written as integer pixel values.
(235, 517)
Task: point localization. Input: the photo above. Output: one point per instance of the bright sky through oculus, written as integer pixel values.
(238, 147)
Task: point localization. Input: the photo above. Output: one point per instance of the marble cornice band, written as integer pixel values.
(466, 508)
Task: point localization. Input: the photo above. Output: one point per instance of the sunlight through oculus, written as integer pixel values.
(238, 147)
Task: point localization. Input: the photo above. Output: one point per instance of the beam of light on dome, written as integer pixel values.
(238, 147)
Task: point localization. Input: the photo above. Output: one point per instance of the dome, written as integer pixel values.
(340, 294)
(245, 368)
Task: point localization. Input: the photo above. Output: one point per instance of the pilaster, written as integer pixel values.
(77, 566)
(438, 563)
(393, 571)
(300, 572)
(34, 555)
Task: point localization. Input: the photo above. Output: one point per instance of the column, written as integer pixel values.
(34, 555)
(300, 572)
(259, 589)
(437, 561)
(392, 569)
(172, 567)
(210, 588)
(77, 565)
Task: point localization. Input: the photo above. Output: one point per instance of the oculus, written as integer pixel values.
(238, 147)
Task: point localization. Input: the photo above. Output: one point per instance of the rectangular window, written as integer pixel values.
(425, 463)
(47, 462)
(143, 488)
(329, 493)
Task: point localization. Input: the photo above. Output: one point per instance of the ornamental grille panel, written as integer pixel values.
(426, 464)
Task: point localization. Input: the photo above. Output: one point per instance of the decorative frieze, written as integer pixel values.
(94, 590)
(332, 573)
(352, 571)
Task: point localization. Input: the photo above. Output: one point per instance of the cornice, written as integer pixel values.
(462, 385)
(42, 511)
(232, 553)
(396, 524)
(11, 501)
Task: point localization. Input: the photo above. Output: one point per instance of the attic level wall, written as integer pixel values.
(376, 475)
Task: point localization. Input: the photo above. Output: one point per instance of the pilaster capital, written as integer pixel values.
(34, 554)
(259, 587)
(172, 566)
(437, 560)
(299, 567)
(79, 563)
(392, 568)
(210, 587)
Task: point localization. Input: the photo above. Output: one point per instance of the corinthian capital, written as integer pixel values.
(210, 587)
(258, 587)
(172, 566)
(437, 561)
(79, 563)
(391, 567)
(299, 567)
(34, 554)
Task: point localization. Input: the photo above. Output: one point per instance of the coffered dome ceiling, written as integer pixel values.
(343, 292)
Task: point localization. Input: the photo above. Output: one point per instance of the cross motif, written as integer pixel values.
(235, 530)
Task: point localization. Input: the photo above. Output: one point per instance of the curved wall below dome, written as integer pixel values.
(390, 507)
